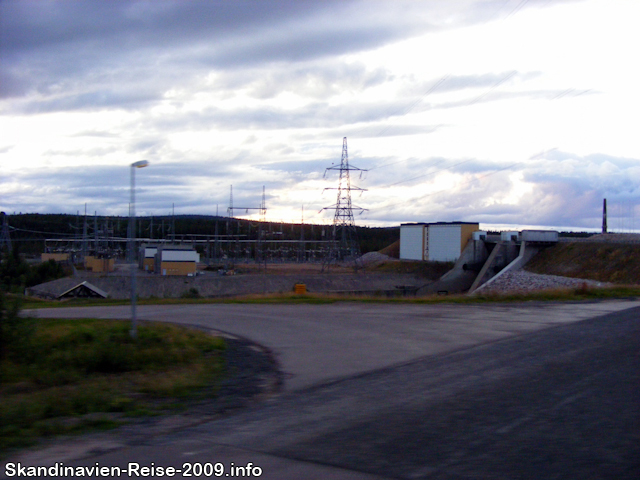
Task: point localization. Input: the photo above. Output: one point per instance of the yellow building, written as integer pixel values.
(176, 260)
(56, 257)
(99, 265)
(148, 257)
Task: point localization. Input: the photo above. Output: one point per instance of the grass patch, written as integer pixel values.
(604, 262)
(428, 270)
(579, 293)
(566, 294)
(71, 375)
(33, 302)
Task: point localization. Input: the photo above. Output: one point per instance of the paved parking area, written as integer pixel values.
(408, 391)
(321, 343)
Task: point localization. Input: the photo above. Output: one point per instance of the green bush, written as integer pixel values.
(16, 332)
(16, 274)
(70, 368)
(191, 293)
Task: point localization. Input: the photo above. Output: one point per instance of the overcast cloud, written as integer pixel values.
(511, 113)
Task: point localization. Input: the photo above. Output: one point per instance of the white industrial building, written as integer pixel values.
(440, 242)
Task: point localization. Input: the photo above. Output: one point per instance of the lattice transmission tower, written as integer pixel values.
(262, 209)
(344, 244)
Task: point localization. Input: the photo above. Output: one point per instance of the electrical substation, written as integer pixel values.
(99, 243)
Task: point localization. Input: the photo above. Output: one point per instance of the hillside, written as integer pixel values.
(29, 230)
(604, 262)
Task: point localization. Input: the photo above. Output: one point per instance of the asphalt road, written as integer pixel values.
(443, 392)
(319, 343)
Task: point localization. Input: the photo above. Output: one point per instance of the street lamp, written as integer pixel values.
(132, 244)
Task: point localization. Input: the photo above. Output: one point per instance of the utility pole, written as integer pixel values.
(344, 240)
(84, 234)
(604, 216)
(173, 223)
(301, 251)
(95, 234)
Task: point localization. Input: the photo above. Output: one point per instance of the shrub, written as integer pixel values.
(16, 274)
(16, 332)
(191, 293)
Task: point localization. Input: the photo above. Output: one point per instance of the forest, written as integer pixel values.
(30, 230)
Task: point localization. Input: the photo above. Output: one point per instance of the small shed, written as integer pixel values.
(148, 257)
(84, 290)
(99, 265)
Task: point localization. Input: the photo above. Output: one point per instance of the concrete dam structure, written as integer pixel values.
(486, 257)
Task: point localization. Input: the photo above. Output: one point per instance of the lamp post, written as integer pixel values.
(132, 244)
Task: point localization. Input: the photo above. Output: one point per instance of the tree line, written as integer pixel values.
(31, 229)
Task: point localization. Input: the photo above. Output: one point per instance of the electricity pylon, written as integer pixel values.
(344, 244)
(262, 209)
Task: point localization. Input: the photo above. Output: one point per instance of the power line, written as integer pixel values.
(516, 9)
(493, 87)
(406, 110)
(427, 174)
(71, 235)
(458, 185)
(433, 88)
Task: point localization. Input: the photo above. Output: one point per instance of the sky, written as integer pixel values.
(510, 113)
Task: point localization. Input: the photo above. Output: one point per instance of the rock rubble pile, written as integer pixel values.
(523, 281)
(372, 258)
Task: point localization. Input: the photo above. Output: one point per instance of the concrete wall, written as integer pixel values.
(510, 236)
(459, 279)
(527, 252)
(546, 236)
(216, 285)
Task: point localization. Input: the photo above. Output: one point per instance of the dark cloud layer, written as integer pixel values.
(50, 44)
(94, 56)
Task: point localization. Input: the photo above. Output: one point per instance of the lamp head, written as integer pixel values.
(140, 164)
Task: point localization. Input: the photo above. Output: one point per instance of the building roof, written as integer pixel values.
(439, 223)
(170, 246)
(84, 289)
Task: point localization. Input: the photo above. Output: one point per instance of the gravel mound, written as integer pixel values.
(522, 281)
(372, 258)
